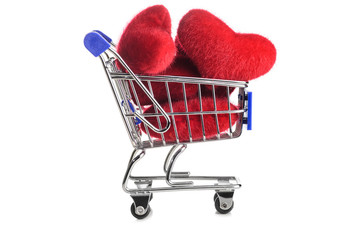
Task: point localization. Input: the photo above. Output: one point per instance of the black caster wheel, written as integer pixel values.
(215, 196)
(140, 212)
(151, 197)
(224, 209)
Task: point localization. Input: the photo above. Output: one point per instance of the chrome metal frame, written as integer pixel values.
(143, 183)
(123, 87)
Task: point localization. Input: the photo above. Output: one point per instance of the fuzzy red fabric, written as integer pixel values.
(148, 49)
(146, 44)
(160, 92)
(195, 120)
(218, 52)
(182, 66)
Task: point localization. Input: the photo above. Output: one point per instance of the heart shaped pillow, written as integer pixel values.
(219, 52)
(146, 44)
(147, 47)
(211, 126)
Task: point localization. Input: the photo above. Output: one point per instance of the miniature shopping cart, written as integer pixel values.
(127, 88)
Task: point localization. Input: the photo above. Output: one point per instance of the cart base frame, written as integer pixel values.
(143, 193)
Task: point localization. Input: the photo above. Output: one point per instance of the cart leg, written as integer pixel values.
(140, 207)
(135, 157)
(169, 163)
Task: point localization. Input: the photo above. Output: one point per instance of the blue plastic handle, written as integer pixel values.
(104, 36)
(250, 109)
(96, 43)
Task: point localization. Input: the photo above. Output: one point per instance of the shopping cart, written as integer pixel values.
(127, 88)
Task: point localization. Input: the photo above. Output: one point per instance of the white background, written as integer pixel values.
(64, 149)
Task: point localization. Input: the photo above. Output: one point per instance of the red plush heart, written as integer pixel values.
(146, 44)
(195, 121)
(181, 66)
(147, 47)
(160, 91)
(219, 52)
